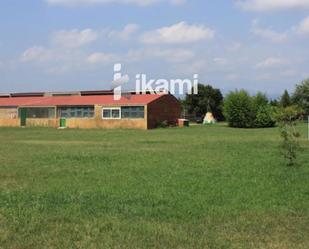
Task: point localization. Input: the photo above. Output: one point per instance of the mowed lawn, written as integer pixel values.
(198, 187)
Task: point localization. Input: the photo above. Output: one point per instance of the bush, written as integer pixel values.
(265, 117)
(238, 109)
(244, 111)
(287, 119)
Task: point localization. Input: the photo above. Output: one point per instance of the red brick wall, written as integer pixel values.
(167, 108)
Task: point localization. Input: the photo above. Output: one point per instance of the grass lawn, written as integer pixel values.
(199, 187)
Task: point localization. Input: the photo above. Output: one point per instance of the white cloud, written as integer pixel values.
(101, 58)
(54, 60)
(64, 46)
(178, 2)
(95, 2)
(74, 38)
(303, 27)
(271, 62)
(178, 34)
(268, 34)
(272, 5)
(37, 53)
(193, 67)
(125, 34)
(171, 55)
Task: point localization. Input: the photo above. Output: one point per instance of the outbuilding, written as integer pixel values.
(88, 109)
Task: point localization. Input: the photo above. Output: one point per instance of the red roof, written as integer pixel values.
(142, 99)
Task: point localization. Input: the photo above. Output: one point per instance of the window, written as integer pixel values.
(111, 113)
(133, 112)
(36, 112)
(76, 112)
(125, 112)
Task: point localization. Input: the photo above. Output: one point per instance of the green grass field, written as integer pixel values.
(199, 187)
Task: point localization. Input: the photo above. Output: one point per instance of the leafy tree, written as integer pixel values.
(301, 96)
(264, 117)
(244, 111)
(260, 99)
(207, 99)
(238, 109)
(287, 119)
(285, 99)
(274, 103)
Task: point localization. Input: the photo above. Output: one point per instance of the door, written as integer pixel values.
(62, 123)
(23, 116)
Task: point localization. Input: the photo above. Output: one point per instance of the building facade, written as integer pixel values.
(95, 109)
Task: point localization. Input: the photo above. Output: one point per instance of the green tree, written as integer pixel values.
(245, 111)
(238, 109)
(264, 117)
(274, 103)
(260, 99)
(207, 99)
(301, 96)
(287, 119)
(285, 99)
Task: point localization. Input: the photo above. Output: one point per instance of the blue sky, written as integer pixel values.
(56, 45)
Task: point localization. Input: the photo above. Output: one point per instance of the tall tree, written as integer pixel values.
(208, 99)
(301, 95)
(285, 99)
(259, 100)
(274, 102)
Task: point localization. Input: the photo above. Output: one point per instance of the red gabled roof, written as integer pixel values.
(142, 99)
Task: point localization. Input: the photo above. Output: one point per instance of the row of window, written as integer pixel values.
(124, 112)
(37, 112)
(76, 112)
(127, 112)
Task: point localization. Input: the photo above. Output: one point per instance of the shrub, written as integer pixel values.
(260, 99)
(264, 117)
(287, 119)
(244, 111)
(238, 109)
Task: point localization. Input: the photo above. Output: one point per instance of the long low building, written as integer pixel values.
(92, 109)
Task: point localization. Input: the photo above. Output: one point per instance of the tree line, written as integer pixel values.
(242, 110)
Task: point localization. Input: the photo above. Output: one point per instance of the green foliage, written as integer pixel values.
(238, 108)
(289, 114)
(285, 99)
(301, 96)
(274, 103)
(244, 111)
(207, 99)
(287, 119)
(260, 100)
(265, 117)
